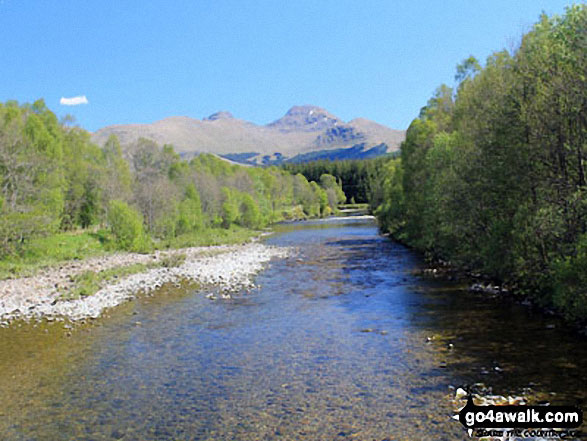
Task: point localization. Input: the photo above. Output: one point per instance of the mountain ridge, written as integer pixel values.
(302, 130)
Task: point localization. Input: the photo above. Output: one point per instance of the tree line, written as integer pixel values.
(53, 178)
(492, 174)
(359, 178)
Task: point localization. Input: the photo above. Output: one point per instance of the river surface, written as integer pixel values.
(342, 341)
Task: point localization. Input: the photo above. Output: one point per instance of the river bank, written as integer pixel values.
(226, 268)
(478, 282)
(345, 340)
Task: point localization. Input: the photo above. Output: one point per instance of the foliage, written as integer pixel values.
(492, 175)
(51, 250)
(210, 236)
(230, 212)
(90, 282)
(358, 179)
(126, 226)
(53, 179)
(334, 186)
(250, 215)
(190, 216)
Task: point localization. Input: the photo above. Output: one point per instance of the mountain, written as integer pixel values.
(304, 132)
(305, 119)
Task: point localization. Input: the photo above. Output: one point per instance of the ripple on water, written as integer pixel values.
(341, 342)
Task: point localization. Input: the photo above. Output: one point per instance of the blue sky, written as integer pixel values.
(140, 61)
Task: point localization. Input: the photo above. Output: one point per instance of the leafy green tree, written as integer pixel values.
(391, 213)
(250, 215)
(230, 209)
(126, 225)
(329, 182)
(321, 208)
(467, 69)
(493, 178)
(116, 179)
(53, 178)
(190, 212)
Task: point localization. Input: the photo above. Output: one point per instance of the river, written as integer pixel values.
(343, 341)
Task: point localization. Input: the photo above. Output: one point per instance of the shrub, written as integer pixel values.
(570, 282)
(126, 225)
(229, 208)
(190, 216)
(250, 213)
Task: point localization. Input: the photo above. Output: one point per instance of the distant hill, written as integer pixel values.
(303, 133)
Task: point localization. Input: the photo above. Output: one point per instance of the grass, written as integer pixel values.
(353, 207)
(59, 248)
(52, 250)
(207, 237)
(90, 282)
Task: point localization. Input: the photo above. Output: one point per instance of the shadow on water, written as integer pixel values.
(333, 345)
(486, 339)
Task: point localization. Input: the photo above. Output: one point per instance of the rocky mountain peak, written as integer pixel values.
(303, 133)
(305, 118)
(219, 115)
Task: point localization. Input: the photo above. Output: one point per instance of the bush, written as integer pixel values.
(570, 282)
(329, 182)
(230, 211)
(126, 225)
(250, 213)
(18, 228)
(190, 216)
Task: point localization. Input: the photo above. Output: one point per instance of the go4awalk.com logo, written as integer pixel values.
(520, 421)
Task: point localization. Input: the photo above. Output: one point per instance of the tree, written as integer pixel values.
(329, 182)
(467, 69)
(230, 209)
(190, 212)
(250, 215)
(126, 225)
(493, 178)
(116, 181)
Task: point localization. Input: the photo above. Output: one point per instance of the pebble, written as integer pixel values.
(230, 269)
(460, 393)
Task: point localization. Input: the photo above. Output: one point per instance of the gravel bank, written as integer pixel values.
(229, 268)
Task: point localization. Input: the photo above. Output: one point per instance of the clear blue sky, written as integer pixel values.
(140, 61)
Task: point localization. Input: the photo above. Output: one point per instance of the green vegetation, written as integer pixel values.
(492, 174)
(51, 250)
(126, 226)
(362, 207)
(210, 236)
(358, 179)
(90, 282)
(61, 197)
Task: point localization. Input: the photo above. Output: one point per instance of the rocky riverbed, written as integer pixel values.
(226, 268)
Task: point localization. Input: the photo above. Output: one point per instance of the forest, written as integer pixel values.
(491, 176)
(56, 183)
(360, 178)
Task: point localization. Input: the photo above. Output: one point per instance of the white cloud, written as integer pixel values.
(73, 101)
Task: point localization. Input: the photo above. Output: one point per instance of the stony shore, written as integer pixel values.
(227, 268)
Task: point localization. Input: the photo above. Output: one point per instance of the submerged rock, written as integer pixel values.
(231, 269)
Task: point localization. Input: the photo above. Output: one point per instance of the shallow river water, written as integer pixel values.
(342, 341)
